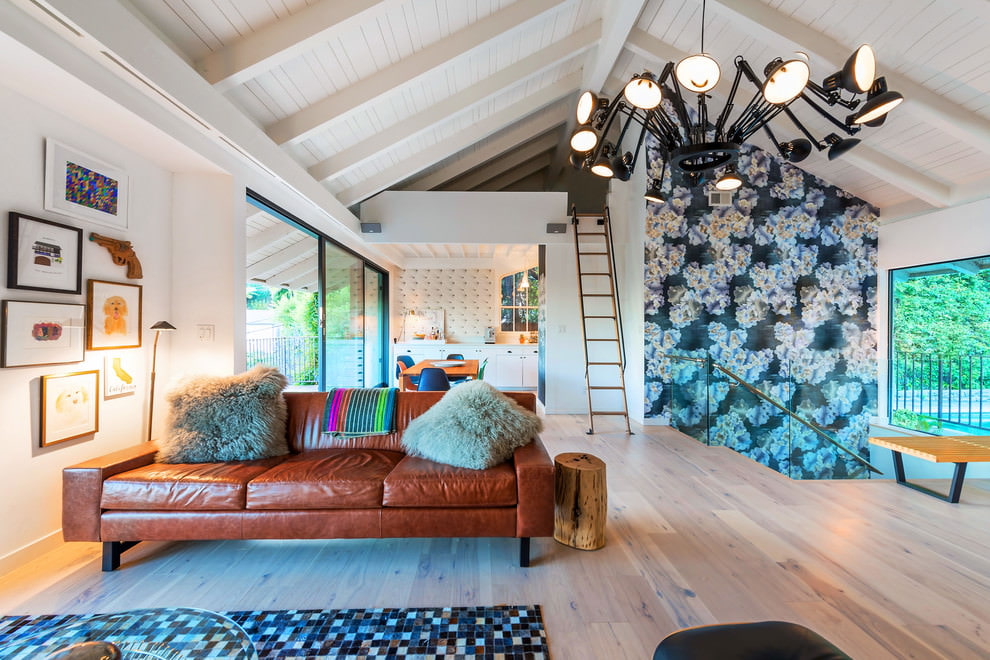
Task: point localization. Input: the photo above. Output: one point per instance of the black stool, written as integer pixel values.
(762, 640)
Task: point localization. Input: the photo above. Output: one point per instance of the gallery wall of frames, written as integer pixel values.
(42, 324)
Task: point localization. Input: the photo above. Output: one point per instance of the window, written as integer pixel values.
(315, 310)
(940, 347)
(520, 301)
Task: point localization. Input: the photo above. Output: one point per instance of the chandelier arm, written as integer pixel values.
(625, 127)
(757, 122)
(665, 130)
(639, 145)
(848, 130)
(724, 115)
(832, 98)
(756, 107)
(815, 141)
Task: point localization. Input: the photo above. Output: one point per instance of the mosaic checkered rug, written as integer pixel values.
(509, 632)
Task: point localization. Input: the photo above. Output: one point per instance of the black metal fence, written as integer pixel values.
(296, 357)
(944, 390)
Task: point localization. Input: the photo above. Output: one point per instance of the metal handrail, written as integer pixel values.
(752, 389)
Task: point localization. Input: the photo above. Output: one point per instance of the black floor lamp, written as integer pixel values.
(159, 328)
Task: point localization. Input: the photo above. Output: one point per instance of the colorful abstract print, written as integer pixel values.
(90, 189)
(779, 288)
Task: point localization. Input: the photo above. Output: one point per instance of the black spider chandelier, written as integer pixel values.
(695, 146)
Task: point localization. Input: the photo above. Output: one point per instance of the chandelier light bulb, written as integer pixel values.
(643, 92)
(586, 105)
(877, 107)
(728, 181)
(603, 168)
(786, 81)
(862, 67)
(584, 140)
(698, 73)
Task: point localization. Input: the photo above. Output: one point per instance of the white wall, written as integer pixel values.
(30, 487)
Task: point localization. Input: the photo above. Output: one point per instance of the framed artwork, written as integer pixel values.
(119, 375)
(41, 333)
(113, 315)
(70, 406)
(84, 187)
(43, 255)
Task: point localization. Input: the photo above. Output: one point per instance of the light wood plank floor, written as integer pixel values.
(696, 535)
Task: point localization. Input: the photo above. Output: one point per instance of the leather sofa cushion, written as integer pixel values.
(419, 482)
(183, 486)
(324, 479)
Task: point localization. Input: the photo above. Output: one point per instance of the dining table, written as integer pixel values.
(453, 368)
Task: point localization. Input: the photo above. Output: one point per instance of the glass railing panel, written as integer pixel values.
(686, 379)
(746, 422)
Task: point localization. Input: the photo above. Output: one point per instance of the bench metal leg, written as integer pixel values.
(524, 551)
(112, 551)
(955, 489)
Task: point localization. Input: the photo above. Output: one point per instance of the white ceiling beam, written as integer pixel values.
(337, 107)
(516, 174)
(505, 162)
(290, 275)
(284, 40)
(264, 238)
(869, 160)
(410, 127)
(275, 261)
(618, 19)
(512, 138)
(770, 26)
(458, 142)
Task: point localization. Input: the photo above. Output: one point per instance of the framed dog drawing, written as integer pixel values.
(113, 315)
(69, 406)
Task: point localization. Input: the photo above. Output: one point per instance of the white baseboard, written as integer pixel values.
(29, 552)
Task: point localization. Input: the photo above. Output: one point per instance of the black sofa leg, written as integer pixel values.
(524, 551)
(112, 551)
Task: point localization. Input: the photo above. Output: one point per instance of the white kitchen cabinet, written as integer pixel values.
(517, 367)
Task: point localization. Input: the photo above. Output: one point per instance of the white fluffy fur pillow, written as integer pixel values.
(227, 418)
(473, 426)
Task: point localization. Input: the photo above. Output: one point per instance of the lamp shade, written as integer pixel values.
(584, 139)
(643, 92)
(587, 103)
(876, 107)
(796, 150)
(698, 73)
(603, 167)
(728, 181)
(654, 193)
(860, 70)
(839, 145)
(785, 81)
(163, 326)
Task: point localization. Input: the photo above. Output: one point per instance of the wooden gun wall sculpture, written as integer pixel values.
(122, 254)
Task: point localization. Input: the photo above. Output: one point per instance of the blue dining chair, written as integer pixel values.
(456, 379)
(434, 379)
(455, 356)
(403, 362)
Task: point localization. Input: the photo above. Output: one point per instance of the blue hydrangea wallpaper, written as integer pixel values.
(780, 288)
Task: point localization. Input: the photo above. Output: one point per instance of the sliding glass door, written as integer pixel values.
(322, 307)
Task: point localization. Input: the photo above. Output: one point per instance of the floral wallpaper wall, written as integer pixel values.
(780, 288)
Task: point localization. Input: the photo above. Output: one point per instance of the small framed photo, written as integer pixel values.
(41, 333)
(119, 375)
(70, 406)
(113, 315)
(43, 255)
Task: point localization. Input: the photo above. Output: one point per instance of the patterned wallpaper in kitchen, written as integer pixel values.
(467, 296)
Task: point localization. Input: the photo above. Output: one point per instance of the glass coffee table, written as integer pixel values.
(162, 633)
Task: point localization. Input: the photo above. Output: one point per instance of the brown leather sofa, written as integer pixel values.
(324, 488)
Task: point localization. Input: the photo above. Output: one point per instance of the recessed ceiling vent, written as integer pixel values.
(719, 198)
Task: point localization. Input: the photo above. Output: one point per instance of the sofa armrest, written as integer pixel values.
(82, 489)
(534, 480)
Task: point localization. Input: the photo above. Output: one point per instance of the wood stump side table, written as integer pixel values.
(580, 501)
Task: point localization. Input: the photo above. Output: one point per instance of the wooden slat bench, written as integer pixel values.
(960, 449)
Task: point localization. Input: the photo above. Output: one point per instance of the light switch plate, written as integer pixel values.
(206, 333)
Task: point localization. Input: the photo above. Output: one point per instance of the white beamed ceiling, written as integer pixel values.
(325, 78)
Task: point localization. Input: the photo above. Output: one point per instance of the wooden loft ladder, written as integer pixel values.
(601, 320)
